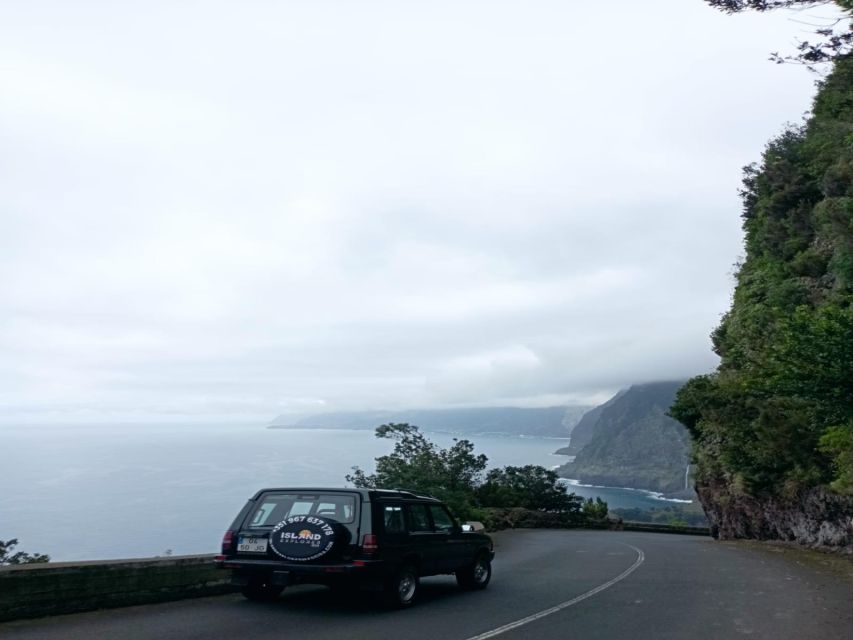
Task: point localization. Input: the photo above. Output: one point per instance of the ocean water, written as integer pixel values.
(124, 491)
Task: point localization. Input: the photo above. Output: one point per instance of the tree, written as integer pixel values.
(836, 34)
(531, 487)
(734, 6)
(837, 442)
(595, 509)
(418, 465)
(19, 557)
(455, 475)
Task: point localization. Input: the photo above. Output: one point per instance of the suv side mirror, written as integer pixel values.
(473, 527)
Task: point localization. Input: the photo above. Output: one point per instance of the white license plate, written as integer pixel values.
(252, 545)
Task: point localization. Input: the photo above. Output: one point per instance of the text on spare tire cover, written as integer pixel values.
(302, 538)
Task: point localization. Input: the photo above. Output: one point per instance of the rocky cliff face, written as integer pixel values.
(817, 518)
(585, 428)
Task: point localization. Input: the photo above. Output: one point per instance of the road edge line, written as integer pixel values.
(568, 603)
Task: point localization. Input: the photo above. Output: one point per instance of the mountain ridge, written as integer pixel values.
(556, 421)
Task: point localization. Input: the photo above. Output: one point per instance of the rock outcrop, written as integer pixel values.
(818, 518)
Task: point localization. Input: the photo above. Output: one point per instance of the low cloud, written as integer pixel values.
(265, 209)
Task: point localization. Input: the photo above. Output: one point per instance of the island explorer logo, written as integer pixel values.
(302, 538)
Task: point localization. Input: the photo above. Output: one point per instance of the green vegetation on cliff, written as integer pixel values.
(776, 418)
(631, 442)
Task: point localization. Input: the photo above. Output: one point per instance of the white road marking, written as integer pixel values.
(568, 603)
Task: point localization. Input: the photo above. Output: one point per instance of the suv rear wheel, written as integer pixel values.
(401, 589)
(476, 575)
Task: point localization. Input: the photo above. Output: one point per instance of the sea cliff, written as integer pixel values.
(631, 442)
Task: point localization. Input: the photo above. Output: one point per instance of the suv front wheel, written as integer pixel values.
(475, 575)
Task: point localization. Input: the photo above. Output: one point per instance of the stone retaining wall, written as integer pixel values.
(28, 591)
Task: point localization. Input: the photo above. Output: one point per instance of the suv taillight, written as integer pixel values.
(370, 544)
(228, 542)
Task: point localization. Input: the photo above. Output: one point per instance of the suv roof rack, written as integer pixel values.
(407, 493)
(414, 494)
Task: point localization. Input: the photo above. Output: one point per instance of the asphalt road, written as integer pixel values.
(546, 585)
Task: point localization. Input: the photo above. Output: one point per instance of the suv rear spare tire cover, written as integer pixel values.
(303, 538)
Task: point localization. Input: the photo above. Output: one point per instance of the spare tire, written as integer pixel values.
(304, 538)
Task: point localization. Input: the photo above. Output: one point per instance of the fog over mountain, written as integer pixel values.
(231, 211)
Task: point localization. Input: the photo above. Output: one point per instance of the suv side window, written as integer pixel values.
(418, 518)
(393, 518)
(443, 521)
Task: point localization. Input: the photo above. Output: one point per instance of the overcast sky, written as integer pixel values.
(233, 210)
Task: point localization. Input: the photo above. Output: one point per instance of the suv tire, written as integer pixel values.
(477, 575)
(402, 588)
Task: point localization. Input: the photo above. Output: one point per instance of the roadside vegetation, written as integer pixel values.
(675, 515)
(777, 416)
(8, 556)
(773, 425)
(457, 475)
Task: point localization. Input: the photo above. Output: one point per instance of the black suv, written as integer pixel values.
(377, 539)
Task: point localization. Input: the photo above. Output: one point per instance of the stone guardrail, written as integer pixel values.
(664, 528)
(519, 518)
(34, 590)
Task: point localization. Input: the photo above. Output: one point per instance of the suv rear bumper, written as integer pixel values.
(270, 565)
(286, 573)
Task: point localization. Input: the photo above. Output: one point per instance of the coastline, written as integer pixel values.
(655, 495)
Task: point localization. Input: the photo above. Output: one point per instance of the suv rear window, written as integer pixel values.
(274, 507)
